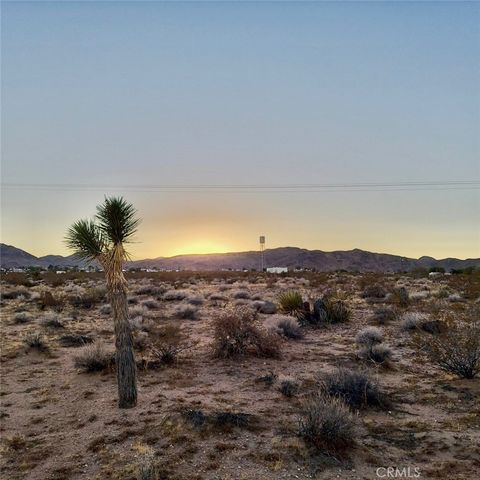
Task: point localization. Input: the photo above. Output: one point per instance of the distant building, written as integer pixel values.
(277, 269)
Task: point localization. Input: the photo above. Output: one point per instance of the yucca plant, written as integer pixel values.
(102, 239)
(291, 302)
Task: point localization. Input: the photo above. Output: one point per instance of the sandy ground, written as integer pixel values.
(59, 423)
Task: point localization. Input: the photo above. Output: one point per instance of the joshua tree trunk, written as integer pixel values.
(125, 359)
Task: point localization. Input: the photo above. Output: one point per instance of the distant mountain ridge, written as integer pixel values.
(350, 260)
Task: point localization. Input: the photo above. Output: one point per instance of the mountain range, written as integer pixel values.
(350, 260)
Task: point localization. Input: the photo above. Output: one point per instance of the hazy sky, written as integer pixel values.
(142, 93)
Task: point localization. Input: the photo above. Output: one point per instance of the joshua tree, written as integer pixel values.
(102, 239)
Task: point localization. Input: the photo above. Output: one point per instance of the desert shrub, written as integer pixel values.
(383, 316)
(378, 353)
(47, 300)
(106, 309)
(150, 290)
(457, 351)
(88, 299)
(22, 317)
(264, 307)
(355, 388)
(401, 297)
(284, 325)
(374, 291)
(140, 340)
(137, 311)
(241, 294)
(336, 310)
(139, 323)
(455, 297)
(268, 379)
(75, 340)
(369, 336)
(327, 424)
(175, 295)
(217, 297)
(150, 304)
(196, 417)
(433, 326)
(167, 353)
(13, 294)
(289, 388)
(236, 332)
(147, 468)
(226, 420)
(411, 321)
(418, 296)
(187, 312)
(290, 302)
(35, 341)
(17, 278)
(51, 320)
(195, 300)
(94, 358)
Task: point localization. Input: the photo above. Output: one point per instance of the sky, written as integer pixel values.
(120, 96)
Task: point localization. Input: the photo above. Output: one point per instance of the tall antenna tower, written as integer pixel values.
(262, 251)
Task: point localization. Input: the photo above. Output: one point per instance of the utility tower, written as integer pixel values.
(262, 251)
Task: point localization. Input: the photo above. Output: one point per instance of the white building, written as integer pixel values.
(277, 269)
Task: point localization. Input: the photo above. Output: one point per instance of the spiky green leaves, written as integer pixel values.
(85, 239)
(115, 223)
(117, 220)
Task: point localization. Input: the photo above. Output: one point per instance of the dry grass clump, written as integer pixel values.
(52, 320)
(14, 294)
(195, 300)
(35, 341)
(75, 340)
(105, 309)
(217, 297)
(90, 298)
(384, 315)
(236, 332)
(150, 290)
(223, 420)
(289, 388)
(380, 354)
(327, 424)
(94, 358)
(369, 336)
(374, 291)
(241, 294)
(411, 321)
(264, 306)
(175, 295)
(284, 325)
(147, 467)
(47, 300)
(401, 297)
(22, 317)
(150, 304)
(185, 311)
(291, 302)
(353, 387)
(457, 351)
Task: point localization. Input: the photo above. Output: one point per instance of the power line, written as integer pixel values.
(257, 188)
